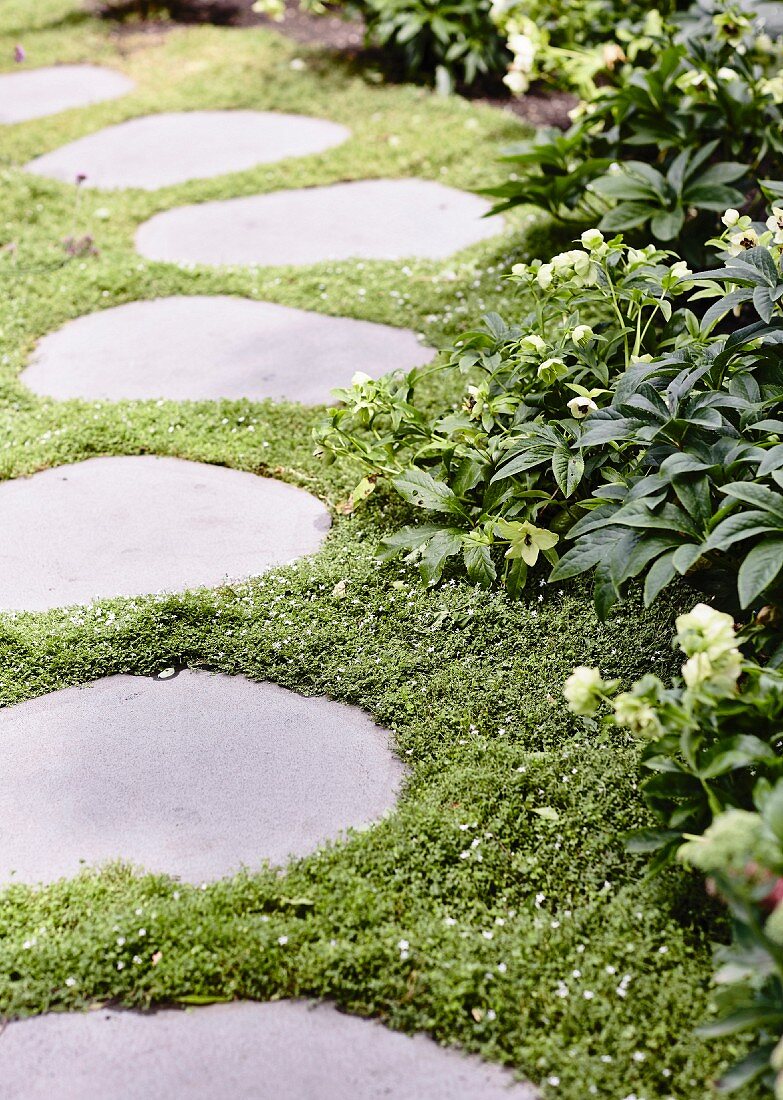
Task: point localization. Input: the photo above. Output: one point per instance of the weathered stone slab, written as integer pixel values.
(195, 776)
(160, 150)
(124, 526)
(217, 347)
(241, 1051)
(368, 219)
(33, 93)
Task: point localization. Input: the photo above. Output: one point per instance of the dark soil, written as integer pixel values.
(540, 107)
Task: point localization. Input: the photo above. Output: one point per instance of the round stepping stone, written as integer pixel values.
(164, 149)
(208, 348)
(369, 219)
(33, 93)
(195, 776)
(243, 1050)
(126, 526)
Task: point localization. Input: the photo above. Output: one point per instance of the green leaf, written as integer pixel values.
(444, 544)
(478, 561)
(568, 467)
(584, 555)
(407, 538)
(756, 495)
(202, 999)
(547, 812)
(741, 525)
(420, 488)
(759, 569)
(733, 753)
(516, 577)
(667, 225)
(742, 1020)
(650, 840)
(749, 1069)
(661, 573)
(606, 592)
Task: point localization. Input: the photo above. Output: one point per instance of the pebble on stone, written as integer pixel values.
(33, 93)
(204, 348)
(285, 1050)
(160, 150)
(124, 526)
(368, 219)
(196, 776)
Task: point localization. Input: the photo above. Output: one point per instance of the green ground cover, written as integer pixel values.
(496, 908)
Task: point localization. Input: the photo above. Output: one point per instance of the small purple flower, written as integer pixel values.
(19, 54)
(80, 178)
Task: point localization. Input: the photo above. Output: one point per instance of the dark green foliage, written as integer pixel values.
(691, 123)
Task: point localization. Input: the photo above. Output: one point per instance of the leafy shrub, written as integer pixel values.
(702, 469)
(677, 136)
(643, 436)
(506, 467)
(569, 45)
(453, 41)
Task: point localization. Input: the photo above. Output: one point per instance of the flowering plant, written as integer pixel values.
(697, 491)
(708, 739)
(714, 780)
(676, 135)
(502, 471)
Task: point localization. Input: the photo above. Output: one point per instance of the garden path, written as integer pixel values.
(200, 774)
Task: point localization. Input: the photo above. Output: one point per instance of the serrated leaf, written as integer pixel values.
(421, 489)
(478, 562)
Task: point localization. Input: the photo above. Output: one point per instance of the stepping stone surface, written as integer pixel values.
(33, 93)
(369, 219)
(205, 348)
(285, 1050)
(195, 776)
(125, 526)
(164, 149)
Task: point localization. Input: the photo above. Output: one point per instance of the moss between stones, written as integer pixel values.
(521, 926)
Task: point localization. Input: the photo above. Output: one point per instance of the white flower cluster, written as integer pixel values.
(742, 235)
(523, 40)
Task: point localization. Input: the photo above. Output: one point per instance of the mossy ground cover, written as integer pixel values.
(497, 907)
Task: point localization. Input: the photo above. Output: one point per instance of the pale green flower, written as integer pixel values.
(730, 218)
(533, 343)
(636, 714)
(545, 275)
(742, 241)
(550, 370)
(582, 335)
(592, 239)
(733, 840)
(516, 81)
(708, 639)
(527, 540)
(583, 690)
(705, 630)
